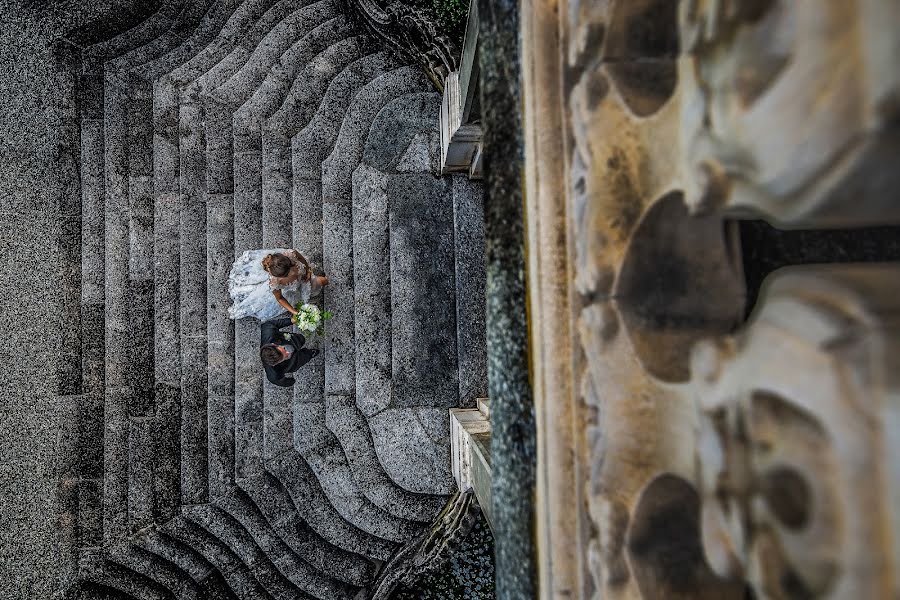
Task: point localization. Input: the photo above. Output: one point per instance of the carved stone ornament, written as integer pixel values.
(797, 437)
(412, 32)
(785, 110)
(686, 452)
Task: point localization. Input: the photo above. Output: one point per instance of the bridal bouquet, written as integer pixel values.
(309, 319)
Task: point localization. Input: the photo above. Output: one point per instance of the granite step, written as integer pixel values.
(169, 549)
(95, 568)
(238, 575)
(273, 501)
(213, 21)
(240, 542)
(351, 430)
(470, 278)
(192, 280)
(146, 31)
(305, 95)
(232, 33)
(390, 167)
(310, 56)
(116, 302)
(153, 567)
(188, 19)
(337, 229)
(272, 46)
(324, 455)
(295, 569)
(301, 483)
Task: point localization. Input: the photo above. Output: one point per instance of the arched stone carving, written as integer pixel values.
(796, 436)
(787, 107)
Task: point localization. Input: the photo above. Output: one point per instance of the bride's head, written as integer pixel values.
(277, 265)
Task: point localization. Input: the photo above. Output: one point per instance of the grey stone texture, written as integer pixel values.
(152, 144)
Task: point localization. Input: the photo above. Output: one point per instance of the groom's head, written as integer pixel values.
(272, 354)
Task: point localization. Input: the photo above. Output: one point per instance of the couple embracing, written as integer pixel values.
(264, 284)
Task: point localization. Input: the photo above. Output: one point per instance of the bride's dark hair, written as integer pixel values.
(278, 265)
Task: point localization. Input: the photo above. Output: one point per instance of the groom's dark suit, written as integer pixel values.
(271, 334)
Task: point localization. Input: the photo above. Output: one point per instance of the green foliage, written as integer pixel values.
(468, 575)
(451, 14)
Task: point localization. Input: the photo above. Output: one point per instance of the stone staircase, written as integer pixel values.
(211, 128)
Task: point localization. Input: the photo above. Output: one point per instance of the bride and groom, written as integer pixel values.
(264, 284)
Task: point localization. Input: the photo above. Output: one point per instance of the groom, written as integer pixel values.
(282, 352)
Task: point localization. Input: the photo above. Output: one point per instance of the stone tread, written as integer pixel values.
(233, 535)
(299, 572)
(216, 17)
(231, 33)
(278, 508)
(271, 47)
(222, 558)
(295, 64)
(351, 429)
(327, 460)
(314, 507)
(117, 321)
(97, 569)
(187, 20)
(137, 36)
(337, 236)
(165, 574)
(192, 282)
(175, 552)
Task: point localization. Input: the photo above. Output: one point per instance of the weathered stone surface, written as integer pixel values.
(411, 458)
(468, 236)
(424, 369)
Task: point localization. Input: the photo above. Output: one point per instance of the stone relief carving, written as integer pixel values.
(716, 454)
(782, 118)
(795, 434)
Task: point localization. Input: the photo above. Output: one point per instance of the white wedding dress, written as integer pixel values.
(251, 287)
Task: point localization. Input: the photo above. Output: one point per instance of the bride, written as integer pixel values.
(266, 283)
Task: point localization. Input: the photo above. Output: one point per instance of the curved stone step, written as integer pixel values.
(316, 140)
(306, 90)
(315, 508)
(187, 20)
(141, 245)
(95, 568)
(231, 533)
(230, 35)
(184, 557)
(302, 60)
(471, 279)
(352, 431)
(272, 46)
(144, 32)
(167, 207)
(398, 150)
(324, 455)
(217, 16)
(165, 574)
(278, 508)
(301, 574)
(219, 555)
(277, 157)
